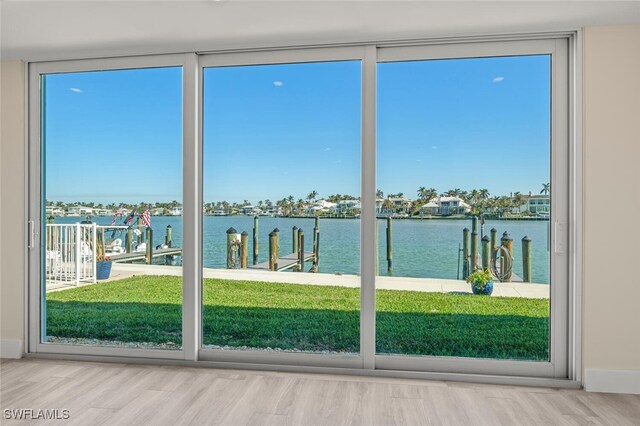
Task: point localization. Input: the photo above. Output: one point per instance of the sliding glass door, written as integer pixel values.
(281, 208)
(343, 207)
(465, 171)
(110, 197)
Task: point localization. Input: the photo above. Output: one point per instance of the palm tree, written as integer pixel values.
(453, 193)
(312, 195)
(484, 194)
(379, 194)
(518, 199)
(546, 188)
(387, 204)
(427, 195)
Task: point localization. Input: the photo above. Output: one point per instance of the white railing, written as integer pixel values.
(70, 254)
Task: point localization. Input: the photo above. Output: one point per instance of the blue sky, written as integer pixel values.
(271, 131)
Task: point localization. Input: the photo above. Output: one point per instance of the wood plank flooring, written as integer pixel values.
(120, 394)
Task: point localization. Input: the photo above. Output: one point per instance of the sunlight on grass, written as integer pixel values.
(304, 317)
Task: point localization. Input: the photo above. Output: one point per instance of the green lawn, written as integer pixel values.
(303, 317)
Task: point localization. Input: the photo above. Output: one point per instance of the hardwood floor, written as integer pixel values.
(118, 394)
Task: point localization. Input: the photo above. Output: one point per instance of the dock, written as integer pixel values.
(141, 255)
(286, 262)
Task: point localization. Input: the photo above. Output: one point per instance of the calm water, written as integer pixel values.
(421, 248)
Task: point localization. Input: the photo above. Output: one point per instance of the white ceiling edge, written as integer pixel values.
(57, 30)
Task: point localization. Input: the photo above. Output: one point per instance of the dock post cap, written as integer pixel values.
(245, 233)
(168, 226)
(465, 230)
(273, 234)
(494, 230)
(231, 231)
(485, 238)
(526, 238)
(295, 227)
(276, 230)
(506, 237)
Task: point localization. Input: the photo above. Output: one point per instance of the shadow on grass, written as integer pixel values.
(412, 333)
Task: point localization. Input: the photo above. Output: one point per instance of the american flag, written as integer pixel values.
(115, 216)
(146, 218)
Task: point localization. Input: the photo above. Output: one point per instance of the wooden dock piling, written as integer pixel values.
(465, 253)
(244, 238)
(494, 238)
(300, 250)
(486, 252)
(255, 240)
(168, 239)
(231, 256)
(316, 254)
(474, 251)
(128, 241)
(316, 230)
(149, 256)
(507, 242)
(389, 246)
(294, 239)
(273, 249)
(526, 259)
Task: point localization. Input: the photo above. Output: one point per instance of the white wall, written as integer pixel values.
(611, 335)
(12, 214)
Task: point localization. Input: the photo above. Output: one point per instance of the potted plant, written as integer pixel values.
(103, 262)
(481, 281)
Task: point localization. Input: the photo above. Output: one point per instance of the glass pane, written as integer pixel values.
(464, 178)
(281, 172)
(112, 185)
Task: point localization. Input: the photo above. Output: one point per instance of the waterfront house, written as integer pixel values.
(54, 211)
(80, 211)
(536, 204)
(320, 206)
(445, 206)
(347, 207)
(250, 210)
(176, 211)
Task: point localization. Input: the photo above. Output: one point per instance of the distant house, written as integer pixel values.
(347, 207)
(158, 211)
(54, 211)
(320, 206)
(274, 210)
(80, 211)
(250, 210)
(102, 212)
(536, 204)
(398, 205)
(176, 211)
(445, 206)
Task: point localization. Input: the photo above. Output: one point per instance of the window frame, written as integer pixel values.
(557, 366)
(36, 219)
(565, 160)
(295, 56)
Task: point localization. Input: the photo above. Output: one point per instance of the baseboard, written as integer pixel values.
(11, 348)
(612, 381)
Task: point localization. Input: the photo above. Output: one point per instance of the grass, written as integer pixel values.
(303, 317)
